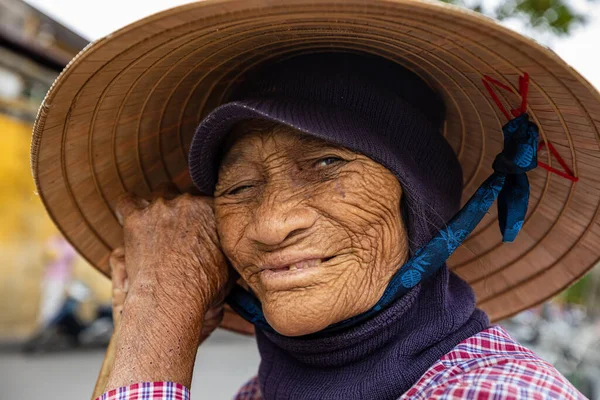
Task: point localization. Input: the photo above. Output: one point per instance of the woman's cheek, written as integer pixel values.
(230, 225)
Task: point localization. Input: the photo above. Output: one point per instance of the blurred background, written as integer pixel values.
(55, 309)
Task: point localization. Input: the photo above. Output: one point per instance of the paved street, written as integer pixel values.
(224, 363)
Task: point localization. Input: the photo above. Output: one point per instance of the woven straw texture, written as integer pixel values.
(122, 114)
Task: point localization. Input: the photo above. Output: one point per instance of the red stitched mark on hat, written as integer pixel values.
(488, 81)
(523, 92)
(567, 173)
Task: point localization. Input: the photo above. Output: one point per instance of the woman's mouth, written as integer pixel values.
(315, 262)
(296, 274)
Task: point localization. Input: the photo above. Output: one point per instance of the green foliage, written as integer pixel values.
(556, 16)
(577, 293)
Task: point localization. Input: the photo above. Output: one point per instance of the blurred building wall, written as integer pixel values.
(33, 50)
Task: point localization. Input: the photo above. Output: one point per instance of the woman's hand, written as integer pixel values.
(172, 248)
(120, 285)
(169, 276)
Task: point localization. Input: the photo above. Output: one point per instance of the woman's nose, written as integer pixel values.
(280, 219)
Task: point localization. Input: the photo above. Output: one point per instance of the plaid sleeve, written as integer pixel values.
(491, 365)
(148, 391)
(250, 391)
(497, 384)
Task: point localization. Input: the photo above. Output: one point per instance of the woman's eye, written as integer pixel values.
(327, 161)
(239, 189)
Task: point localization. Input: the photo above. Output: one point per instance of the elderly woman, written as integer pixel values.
(317, 215)
(331, 196)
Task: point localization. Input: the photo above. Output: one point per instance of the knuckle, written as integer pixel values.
(117, 253)
(134, 219)
(159, 202)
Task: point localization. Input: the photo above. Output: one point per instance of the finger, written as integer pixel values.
(212, 320)
(166, 190)
(117, 308)
(127, 204)
(117, 266)
(214, 313)
(120, 282)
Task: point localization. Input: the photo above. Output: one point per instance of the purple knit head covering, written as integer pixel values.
(377, 108)
(364, 103)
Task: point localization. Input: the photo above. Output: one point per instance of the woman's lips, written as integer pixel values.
(297, 274)
(297, 265)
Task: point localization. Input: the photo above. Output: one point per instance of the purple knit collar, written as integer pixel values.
(380, 358)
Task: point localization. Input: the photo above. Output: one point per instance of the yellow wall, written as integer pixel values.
(24, 231)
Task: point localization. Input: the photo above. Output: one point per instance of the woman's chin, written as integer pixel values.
(293, 329)
(289, 323)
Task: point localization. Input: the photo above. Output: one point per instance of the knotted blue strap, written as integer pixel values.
(519, 156)
(508, 184)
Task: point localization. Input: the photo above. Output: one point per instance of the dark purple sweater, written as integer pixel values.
(378, 359)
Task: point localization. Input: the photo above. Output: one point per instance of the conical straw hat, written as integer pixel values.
(121, 116)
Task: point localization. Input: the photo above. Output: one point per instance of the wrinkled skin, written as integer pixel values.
(283, 196)
(169, 282)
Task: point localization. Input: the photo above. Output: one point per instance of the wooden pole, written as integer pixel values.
(107, 365)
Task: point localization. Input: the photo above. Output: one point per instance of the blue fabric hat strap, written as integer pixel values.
(508, 184)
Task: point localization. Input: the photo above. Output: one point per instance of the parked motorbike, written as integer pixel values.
(66, 330)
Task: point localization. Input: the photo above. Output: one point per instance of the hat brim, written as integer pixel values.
(122, 114)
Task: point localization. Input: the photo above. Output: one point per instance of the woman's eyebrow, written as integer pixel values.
(310, 143)
(232, 158)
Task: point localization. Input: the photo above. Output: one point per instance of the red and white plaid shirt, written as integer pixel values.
(148, 391)
(489, 365)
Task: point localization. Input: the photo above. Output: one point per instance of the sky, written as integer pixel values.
(97, 18)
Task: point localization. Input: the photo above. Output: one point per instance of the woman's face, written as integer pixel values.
(315, 230)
